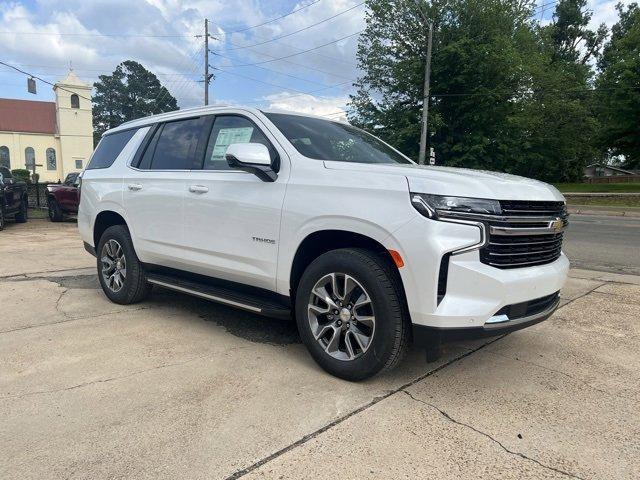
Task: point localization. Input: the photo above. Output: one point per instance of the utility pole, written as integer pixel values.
(207, 77)
(425, 99)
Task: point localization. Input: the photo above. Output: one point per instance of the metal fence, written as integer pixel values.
(614, 179)
(37, 195)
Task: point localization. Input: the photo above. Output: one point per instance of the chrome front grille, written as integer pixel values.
(526, 234)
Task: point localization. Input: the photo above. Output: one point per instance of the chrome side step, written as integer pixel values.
(254, 303)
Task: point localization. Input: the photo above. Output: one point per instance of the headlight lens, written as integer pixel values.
(433, 206)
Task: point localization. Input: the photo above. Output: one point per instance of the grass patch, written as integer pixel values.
(599, 187)
(38, 213)
(605, 202)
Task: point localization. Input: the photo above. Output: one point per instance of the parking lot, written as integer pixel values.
(177, 387)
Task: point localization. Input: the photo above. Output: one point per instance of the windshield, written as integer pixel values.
(325, 140)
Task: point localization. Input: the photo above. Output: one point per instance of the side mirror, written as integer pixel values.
(253, 158)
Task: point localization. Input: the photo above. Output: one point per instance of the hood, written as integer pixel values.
(460, 182)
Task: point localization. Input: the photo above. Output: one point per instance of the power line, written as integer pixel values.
(62, 34)
(274, 39)
(303, 51)
(275, 19)
(233, 65)
(43, 80)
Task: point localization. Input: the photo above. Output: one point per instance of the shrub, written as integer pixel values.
(22, 175)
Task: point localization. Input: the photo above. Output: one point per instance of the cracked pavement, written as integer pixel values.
(176, 387)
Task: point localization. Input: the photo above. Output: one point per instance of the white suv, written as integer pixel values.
(290, 215)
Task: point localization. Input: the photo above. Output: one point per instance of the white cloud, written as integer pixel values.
(310, 104)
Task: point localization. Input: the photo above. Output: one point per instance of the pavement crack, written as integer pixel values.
(69, 318)
(58, 306)
(494, 440)
(338, 421)
(569, 302)
(104, 380)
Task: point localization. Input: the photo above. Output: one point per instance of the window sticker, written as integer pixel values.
(227, 136)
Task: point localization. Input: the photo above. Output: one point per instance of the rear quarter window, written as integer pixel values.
(109, 148)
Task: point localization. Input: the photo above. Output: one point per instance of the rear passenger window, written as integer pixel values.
(176, 145)
(228, 129)
(109, 148)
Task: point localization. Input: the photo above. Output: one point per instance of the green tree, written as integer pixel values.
(618, 88)
(130, 92)
(507, 94)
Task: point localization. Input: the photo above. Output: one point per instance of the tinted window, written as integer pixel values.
(109, 148)
(325, 140)
(228, 129)
(145, 162)
(177, 145)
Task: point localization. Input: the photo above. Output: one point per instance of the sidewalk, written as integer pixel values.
(604, 210)
(556, 400)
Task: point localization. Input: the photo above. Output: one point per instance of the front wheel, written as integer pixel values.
(23, 214)
(121, 274)
(349, 311)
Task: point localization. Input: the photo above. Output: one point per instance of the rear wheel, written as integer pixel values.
(121, 274)
(55, 214)
(23, 214)
(350, 315)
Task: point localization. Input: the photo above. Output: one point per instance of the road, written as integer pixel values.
(598, 242)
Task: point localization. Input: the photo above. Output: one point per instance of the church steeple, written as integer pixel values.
(74, 121)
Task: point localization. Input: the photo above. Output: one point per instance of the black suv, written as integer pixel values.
(13, 198)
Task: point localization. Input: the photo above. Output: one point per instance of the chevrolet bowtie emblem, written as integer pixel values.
(557, 225)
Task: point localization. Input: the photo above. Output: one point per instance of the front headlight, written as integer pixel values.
(434, 206)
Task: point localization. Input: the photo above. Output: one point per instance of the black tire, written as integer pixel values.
(392, 333)
(23, 214)
(1, 219)
(135, 287)
(55, 214)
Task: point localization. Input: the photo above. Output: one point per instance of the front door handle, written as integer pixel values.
(198, 189)
(134, 187)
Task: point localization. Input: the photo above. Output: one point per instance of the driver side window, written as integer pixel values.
(228, 129)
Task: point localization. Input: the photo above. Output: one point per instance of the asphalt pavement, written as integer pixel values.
(598, 242)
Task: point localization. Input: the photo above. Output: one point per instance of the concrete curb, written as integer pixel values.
(586, 210)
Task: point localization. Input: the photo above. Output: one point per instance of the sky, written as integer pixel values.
(249, 39)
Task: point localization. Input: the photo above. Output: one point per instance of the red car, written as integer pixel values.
(63, 198)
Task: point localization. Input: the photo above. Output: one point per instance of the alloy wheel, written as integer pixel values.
(341, 316)
(114, 265)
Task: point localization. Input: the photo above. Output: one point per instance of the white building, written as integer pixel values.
(56, 137)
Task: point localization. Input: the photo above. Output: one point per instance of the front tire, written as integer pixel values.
(23, 215)
(55, 214)
(120, 272)
(369, 333)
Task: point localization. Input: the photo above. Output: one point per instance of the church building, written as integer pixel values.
(52, 139)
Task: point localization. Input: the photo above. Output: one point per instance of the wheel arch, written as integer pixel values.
(104, 220)
(323, 241)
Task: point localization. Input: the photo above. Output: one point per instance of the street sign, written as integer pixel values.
(31, 85)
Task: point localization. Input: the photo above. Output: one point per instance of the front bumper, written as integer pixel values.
(428, 336)
(475, 292)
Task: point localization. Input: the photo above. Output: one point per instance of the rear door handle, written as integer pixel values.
(134, 187)
(198, 189)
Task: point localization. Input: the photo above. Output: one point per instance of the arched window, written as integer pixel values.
(75, 101)
(51, 159)
(29, 158)
(5, 158)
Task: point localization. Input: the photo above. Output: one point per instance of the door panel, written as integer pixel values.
(234, 227)
(154, 194)
(153, 201)
(232, 218)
